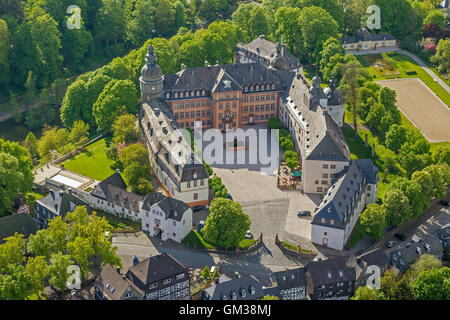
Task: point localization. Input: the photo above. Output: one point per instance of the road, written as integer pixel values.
(427, 70)
(260, 263)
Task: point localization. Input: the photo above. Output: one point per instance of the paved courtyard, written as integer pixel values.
(271, 210)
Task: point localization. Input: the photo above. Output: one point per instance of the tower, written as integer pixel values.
(151, 78)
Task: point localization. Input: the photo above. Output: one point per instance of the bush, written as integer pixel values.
(274, 123)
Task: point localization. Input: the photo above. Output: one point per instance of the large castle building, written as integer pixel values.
(267, 82)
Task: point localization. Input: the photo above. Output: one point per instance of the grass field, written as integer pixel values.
(405, 65)
(93, 163)
(381, 66)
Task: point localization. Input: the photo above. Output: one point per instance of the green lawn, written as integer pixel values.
(93, 163)
(405, 64)
(294, 248)
(195, 238)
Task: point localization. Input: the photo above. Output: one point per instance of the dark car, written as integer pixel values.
(400, 236)
(444, 202)
(197, 208)
(200, 225)
(303, 213)
(229, 196)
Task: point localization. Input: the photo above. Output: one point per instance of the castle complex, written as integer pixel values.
(267, 82)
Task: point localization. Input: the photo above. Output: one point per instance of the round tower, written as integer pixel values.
(151, 78)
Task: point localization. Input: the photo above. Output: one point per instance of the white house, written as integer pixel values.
(166, 217)
(350, 193)
(111, 196)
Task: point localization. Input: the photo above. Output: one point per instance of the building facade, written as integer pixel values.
(317, 136)
(166, 217)
(365, 40)
(351, 191)
(161, 277)
(111, 196)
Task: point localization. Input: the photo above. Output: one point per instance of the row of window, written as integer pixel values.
(258, 98)
(195, 183)
(257, 118)
(193, 114)
(258, 108)
(187, 124)
(257, 87)
(193, 104)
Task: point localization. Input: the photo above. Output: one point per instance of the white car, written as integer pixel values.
(248, 235)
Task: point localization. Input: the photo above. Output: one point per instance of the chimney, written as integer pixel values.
(118, 270)
(183, 66)
(61, 193)
(206, 63)
(194, 174)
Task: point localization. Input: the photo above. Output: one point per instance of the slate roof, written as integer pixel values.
(376, 257)
(173, 208)
(342, 193)
(114, 191)
(223, 291)
(276, 54)
(208, 78)
(290, 278)
(325, 140)
(115, 180)
(21, 223)
(335, 96)
(404, 257)
(330, 271)
(154, 269)
(61, 203)
(364, 35)
(112, 285)
(444, 232)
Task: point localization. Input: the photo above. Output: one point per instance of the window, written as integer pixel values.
(166, 281)
(153, 285)
(195, 196)
(324, 182)
(325, 166)
(319, 189)
(316, 182)
(322, 220)
(195, 183)
(188, 184)
(332, 166)
(324, 175)
(202, 182)
(180, 276)
(174, 223)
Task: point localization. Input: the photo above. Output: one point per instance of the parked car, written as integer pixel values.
(303, 213)
(248, 235)
(200, 225)
(229, 196)
(444, 202)
(391, 243)
(197, 208)
(400, 236)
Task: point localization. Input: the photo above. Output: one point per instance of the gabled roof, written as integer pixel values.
(239, 286)
(376, 257)
(277, 54)
(206, 78)
(154, 269)
(60, 203)
(364, 35)
(344, 191)
(115, 180)
(225, 82)
(112, 285)
(330, 271)
(21, 223)
(290, 278)
(174, 209)
(114, 190)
